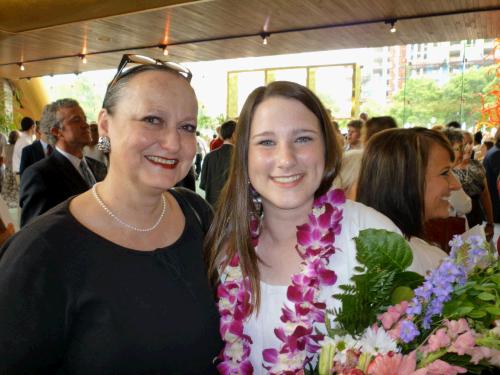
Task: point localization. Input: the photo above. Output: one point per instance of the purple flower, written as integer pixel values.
(415, 307)
(456, 242)
(424, 291)
(408, 331)
(435, 307)
(335, 197)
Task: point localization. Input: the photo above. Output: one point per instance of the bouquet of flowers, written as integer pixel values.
(393, 322)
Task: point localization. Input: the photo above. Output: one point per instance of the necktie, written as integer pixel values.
(49, 150)
(87, 173)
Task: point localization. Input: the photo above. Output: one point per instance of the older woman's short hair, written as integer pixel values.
(50, 120)
(115, 90)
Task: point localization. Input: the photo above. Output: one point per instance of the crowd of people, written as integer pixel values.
(119, 269)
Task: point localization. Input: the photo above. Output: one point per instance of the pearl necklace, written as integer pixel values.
(105, 208)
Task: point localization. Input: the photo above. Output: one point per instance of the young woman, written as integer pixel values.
(113, 281)
(406, 175)
(281, 243)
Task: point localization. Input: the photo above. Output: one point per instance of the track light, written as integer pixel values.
(21, 66)
(164, 48)
(265, 35)
(393, 25)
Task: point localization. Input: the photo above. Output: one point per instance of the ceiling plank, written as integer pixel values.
(40, 14)
(352, 24)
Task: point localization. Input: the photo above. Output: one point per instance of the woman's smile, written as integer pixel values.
(163, 162)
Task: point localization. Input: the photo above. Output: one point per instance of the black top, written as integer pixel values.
(491, 164)
(71, 302)
(51, 181)
(30, 155)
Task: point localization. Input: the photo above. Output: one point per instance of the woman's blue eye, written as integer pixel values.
(189, 128)
(152, 120)
(266, 142)
(304, 139)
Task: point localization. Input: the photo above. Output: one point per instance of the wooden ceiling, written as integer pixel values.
(47, 35)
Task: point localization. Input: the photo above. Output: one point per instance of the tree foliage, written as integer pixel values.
(82, 90)
(423, 102)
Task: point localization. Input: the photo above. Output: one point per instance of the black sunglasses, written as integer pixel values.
(145, 60)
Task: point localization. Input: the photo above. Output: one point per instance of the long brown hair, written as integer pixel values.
(392, 177)
(229, 233)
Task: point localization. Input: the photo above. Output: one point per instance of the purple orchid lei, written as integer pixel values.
(299, 343)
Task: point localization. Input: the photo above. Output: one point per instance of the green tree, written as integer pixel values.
(423, 100)
(373, 108)
(460, 100)
(329, 103)
(6, 117)
(207, 122)
(85, 93)
(417, 103)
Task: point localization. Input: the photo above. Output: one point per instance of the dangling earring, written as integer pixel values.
(256, 215)
(256, 199)
(104, 144)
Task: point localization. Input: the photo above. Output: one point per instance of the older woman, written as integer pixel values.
(406, 175)
(113, 281)
(287, 157)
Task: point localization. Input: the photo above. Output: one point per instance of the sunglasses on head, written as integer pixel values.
(145, 60)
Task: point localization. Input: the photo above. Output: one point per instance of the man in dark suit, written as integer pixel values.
(214, 171)
(36, 151)
(65, 172)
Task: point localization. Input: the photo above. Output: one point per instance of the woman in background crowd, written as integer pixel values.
(406, 175)
(472, 177)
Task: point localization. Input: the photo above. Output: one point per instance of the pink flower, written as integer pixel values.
(478, 353)
(463, 343)
(437, 341)
(395, 333)
(456, 327)
(232, 368)
(393, 314)
(295, 341)
(394, 364)
(439, 367)
(335, 197)
(495, 357)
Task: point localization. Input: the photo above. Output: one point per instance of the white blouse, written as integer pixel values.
(425, 256)
(260, 328)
